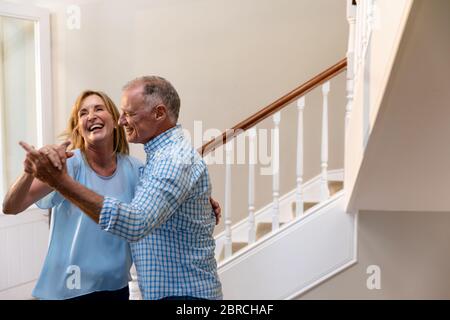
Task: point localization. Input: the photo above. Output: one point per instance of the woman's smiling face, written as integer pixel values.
(95, 123)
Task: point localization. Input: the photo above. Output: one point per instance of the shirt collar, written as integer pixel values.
(163, 139)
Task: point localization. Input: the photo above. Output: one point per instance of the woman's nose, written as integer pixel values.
(91, 115)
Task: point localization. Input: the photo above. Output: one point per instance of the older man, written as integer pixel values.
(170, 220)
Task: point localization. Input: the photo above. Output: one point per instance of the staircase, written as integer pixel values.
(304, 251)
(394, 86)
(303, 237)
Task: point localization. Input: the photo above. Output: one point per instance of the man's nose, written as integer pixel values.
(121, 120)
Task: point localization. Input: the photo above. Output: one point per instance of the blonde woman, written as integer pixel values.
(83, 261)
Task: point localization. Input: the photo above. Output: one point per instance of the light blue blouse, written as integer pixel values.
(81, 257)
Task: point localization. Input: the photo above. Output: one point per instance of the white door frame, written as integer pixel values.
(41, 17)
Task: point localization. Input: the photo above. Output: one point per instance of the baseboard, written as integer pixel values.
(19, 292)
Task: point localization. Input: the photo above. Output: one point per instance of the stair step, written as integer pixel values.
(235, 247)
(335, 186)
(306, 206)
(264, 228)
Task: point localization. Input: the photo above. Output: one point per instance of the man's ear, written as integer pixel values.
(161, 112)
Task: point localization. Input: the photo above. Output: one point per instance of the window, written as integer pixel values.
(25, 85)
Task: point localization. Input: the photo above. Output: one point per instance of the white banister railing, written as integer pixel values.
(227, 207)
(276, 213)
(276, 171)
(351, 18)
(299, 189)
(251, 185)
(324, 191)
(359, 36)
(361, 43)
(360, 18)
(363, 31)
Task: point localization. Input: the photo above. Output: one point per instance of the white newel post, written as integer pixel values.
(364, 21)
(358, 34)
(299, 190)
(363, 29)
(227, 209)
(368, 21)
(351, 18)
(324, 191)
(276, 171)
(251, 185)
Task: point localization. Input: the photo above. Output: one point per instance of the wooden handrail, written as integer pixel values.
(273, 107)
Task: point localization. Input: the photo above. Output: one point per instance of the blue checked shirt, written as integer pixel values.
(169, 222)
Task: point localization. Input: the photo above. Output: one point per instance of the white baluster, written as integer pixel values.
(351, 17)
(364, 28)
(359, 28)
(227, 209)
(368, 22)
(324, 191)
(299, 191)
(251, 185)
(276, 171)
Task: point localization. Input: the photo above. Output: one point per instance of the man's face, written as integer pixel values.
(138, 120)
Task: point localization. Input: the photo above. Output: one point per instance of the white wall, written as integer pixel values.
(412, 251)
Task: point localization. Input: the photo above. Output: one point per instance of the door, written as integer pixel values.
(25, 105)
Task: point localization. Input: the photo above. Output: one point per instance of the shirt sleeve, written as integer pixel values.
(158, 196)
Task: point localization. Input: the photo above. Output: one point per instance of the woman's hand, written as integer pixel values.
(217, 210)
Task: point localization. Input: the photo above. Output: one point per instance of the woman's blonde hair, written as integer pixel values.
(73, 134)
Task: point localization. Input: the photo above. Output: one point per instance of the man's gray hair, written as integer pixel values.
(158, 87)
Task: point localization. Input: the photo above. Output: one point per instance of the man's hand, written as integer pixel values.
(46, 163)
(28, 166)
(217, 210)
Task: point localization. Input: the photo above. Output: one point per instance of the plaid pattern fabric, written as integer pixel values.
(169, 222)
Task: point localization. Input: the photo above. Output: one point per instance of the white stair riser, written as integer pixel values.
(311, 191)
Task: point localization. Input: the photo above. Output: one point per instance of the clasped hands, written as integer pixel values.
(47, 164)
